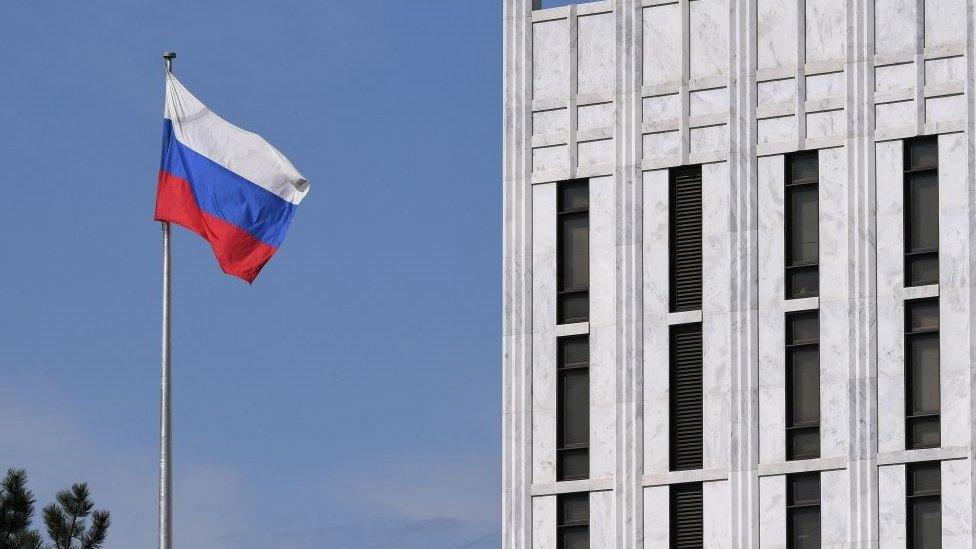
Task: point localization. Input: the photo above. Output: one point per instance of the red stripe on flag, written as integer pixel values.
(238, 253)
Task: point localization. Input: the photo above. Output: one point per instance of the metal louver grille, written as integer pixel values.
(686, 239)
(686, 397)
(686, 516)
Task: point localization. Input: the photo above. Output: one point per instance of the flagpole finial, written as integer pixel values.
(168, 57)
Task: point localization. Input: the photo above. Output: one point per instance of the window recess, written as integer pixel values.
(802, 211)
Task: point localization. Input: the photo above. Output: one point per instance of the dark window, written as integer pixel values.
(922, 373)
(573, 418)
(803, 511)
(802, 385)
(573, 521)
(573, 262)
(686, 516)
(921, 211)
(802, 225)
(686, 239)
(686, 397)
(924, 505)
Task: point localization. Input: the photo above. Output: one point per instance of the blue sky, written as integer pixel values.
(350, 398)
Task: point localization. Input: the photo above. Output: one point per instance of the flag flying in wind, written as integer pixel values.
(226, 184)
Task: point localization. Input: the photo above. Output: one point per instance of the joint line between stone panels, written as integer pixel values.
(573, 88)
(800, 77)
(684, 93)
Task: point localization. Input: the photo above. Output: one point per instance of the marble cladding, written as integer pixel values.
(673, 99)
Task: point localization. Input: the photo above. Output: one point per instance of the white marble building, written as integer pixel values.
(618, 92)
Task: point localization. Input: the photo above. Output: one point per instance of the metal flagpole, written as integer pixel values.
(165, 416)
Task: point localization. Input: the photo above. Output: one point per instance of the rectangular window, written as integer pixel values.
(687, 531)
(921, 211)
(686, 238)
(573, 405)
(922, 393)
(573, 252)
(686, 397)
(573, 521)
(802, 211)
(924, 505)
(803, 511)
(802, 385)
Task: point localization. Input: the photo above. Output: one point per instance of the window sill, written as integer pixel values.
(802, 466)
(571, 486)
(680, 477)
(924, 454)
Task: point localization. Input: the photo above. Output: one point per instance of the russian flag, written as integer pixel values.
(226, 184)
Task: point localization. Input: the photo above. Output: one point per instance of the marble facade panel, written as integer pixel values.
(894, 26)
(777, 33)
(892, 78)
(826, 86)
(948, 108)
(716, 519)
(709, 42)
(595, 58)
(550, 158)
(662, 44)
(709, 138)
(775, 92)
(946, 70)
(553, 121)
(550, 59)
(834, 509)
(826, 32)
(543, 332)
(900, 114)
(772, 512)
(661, 144)
(544, 522)
(662, 108)
(602, 520)
(777, 130)
(594, 117)
(705, 102)
(655, 281)
(891, 507)
(954, 289)
(591, 153)
(945, 22)
(656, 517)
(957, 519)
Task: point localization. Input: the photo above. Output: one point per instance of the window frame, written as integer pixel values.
(684, 175)
(562, 526)
(562, 370)
(792, 505)
(792, 186)
(911, 170)
(911, 498)
(673, 448)
(563, 214)
(790, 346)
(911, 334)
(673, 491)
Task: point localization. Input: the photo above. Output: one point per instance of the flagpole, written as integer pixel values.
(165, 415)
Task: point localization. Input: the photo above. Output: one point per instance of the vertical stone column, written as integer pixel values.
(629, 306)
(516, 279)
(861, 197)
(743, 356)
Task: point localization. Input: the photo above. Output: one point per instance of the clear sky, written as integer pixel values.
(350, 398)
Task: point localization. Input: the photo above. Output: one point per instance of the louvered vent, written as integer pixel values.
(686, 516)
(686, 397)
(686, 239)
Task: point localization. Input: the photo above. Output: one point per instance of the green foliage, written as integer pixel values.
(16, 512)
(67, 519)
